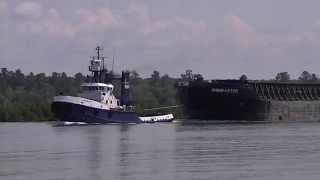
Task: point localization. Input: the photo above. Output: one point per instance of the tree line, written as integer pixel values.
(305, 77)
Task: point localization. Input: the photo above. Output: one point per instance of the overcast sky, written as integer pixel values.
(217, 38)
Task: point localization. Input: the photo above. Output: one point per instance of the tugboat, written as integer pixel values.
(97, 104)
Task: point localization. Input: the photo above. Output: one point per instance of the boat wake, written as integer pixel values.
(146, 119)
(157, 118)
(66, 123)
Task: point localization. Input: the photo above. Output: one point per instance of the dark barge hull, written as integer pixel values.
(69, 112)
(250, 101)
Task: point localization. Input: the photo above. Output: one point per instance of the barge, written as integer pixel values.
(246, 100)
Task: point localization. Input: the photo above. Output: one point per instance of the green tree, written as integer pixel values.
(314, 77)
(283, 76)
(305, 76)
(243, 77)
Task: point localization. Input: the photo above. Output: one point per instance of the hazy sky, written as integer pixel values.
(217, 38)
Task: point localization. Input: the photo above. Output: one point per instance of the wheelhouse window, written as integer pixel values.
(92, 88)
(96, 88)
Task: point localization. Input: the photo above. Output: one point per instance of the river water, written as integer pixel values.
(178, 150)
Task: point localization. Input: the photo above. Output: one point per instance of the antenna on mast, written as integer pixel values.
(102, 63)
(114, 54)
(112, 62)
(98, 49)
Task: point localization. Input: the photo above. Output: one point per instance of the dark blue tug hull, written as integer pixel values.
(69, 112)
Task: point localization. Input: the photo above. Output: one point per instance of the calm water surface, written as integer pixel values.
(203, 151)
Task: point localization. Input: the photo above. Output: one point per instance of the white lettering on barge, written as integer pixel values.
(220, 90)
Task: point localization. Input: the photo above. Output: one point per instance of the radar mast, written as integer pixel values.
(97, 66)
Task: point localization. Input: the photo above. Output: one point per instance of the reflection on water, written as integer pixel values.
(160, 151)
